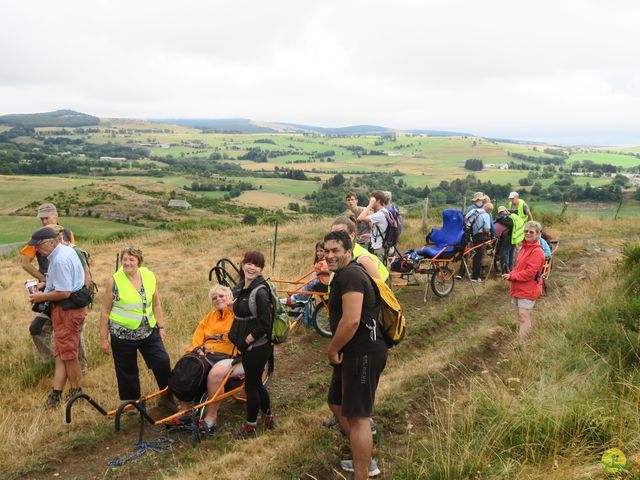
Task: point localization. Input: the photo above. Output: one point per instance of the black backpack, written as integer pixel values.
(189, 376)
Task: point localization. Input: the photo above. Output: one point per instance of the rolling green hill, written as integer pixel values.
(59, 118)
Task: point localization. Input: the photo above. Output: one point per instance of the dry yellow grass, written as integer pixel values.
(181, 262)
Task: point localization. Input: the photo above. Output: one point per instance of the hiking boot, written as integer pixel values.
(181, 421)
(269, 422)
(168, 403)
(330, 422)
(72, 392)
(347, 466)
(205, 429)
(53, 400)
(246, 431)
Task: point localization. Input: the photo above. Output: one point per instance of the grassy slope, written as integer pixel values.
(299, 446)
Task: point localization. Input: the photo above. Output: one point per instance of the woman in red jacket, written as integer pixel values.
(526, 284)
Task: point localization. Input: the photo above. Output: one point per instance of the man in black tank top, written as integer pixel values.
(357, 351)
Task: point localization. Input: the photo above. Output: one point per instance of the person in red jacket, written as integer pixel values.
(526, 284)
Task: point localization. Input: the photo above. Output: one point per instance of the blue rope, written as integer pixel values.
(160, 444)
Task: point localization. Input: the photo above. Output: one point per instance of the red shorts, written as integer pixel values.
(67, 325)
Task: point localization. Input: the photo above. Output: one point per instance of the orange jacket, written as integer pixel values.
(212, 332)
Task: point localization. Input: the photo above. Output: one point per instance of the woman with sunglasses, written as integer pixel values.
(525, 278)
(132, 317)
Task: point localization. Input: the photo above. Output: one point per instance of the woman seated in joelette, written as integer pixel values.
(212, 335)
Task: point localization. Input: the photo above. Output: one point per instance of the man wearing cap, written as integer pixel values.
(519, 207)
(476, 202)
(65, 276)
(40, 328)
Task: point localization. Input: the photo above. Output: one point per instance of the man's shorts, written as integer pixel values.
(355, 380)
(523, 303)
(67, 326)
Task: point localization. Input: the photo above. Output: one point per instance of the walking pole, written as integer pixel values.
(117, 261)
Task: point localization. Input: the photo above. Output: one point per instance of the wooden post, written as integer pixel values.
(618, 210)
(425, 214)
(564, 208)
(275, 248)
(464, 204)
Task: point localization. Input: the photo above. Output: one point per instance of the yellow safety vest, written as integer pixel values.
(520, 212)
(358, 251)
(129, 309)
(517, 234)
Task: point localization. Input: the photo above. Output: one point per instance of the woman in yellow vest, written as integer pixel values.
(211, 339)
(132, 316)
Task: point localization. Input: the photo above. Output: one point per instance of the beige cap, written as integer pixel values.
(513, 194)
(502, 209)
(477, 196)
(46, 209)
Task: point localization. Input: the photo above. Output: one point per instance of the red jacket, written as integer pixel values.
(523, 276)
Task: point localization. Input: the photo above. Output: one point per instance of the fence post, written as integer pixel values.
(619, 205)
(564, 208)
(275, 247)
(425, 214)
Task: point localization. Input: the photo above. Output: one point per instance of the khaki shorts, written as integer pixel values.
(523, 303)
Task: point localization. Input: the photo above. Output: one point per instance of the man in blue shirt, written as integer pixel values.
(64, 277)
(480, 223)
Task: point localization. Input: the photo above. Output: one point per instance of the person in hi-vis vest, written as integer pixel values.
(132, 318)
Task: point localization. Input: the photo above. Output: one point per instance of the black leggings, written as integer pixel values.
(253, 362)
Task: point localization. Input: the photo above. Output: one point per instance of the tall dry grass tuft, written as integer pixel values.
(569, 395)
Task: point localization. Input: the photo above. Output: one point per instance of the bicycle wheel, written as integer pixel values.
(442, 281)
(321, 319)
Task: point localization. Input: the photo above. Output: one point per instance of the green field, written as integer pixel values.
(16, 192)
(17, 229)
(629, 209)
(625, 161)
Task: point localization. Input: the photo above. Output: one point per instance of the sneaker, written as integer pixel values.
(458, 277)
(246, 431)
(374, 426)
(181, 421)
(476, 280)
(53, 400)
(72, 392)
(330, 422)
(347, 466)
(269, 422)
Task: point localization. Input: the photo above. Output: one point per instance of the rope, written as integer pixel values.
(157, 445)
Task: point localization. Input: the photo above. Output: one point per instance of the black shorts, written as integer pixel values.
(355, 380)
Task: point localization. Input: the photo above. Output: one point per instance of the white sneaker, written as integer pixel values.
(476, 280)
(347, 466)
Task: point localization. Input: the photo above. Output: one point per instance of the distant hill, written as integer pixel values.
(59, 118)
(244, 125)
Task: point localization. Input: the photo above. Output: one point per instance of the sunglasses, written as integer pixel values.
(530, 231)
(218, 297)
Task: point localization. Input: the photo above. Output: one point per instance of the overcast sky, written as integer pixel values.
(558, 71)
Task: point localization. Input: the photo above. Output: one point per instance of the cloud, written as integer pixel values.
(499, 68)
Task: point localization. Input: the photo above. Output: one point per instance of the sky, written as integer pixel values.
(565, 72)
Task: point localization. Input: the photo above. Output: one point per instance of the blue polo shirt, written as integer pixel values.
(65, 272)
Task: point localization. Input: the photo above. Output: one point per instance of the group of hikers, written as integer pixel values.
(239, 325)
